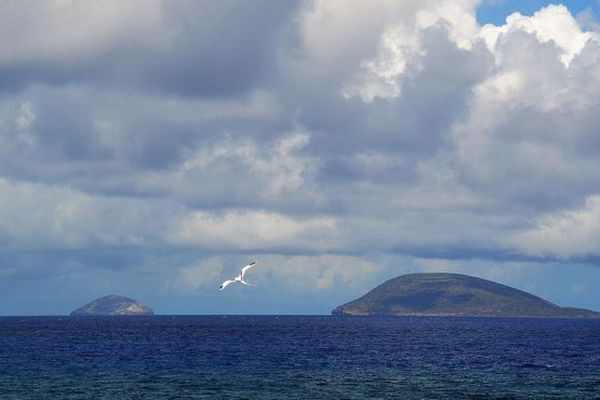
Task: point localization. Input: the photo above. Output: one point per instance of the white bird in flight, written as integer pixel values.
(240, 278)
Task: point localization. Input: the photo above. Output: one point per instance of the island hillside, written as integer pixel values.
(446, 294)
(113, 305)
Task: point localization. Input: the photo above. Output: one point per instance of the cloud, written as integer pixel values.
(553, 23)
(565, 234)
(301, 130)
(527, 121)
(462, 149)
(154, 46)
(46, 30)
(42, 217)
(401, 47)
(470, 130)
(250, 172)
(254, 230)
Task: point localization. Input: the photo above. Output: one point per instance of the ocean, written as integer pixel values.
(298, 357)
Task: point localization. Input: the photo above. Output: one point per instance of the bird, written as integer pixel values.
(240, 278)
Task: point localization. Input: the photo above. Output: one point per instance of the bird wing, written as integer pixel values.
(225, 284)
(246, 268)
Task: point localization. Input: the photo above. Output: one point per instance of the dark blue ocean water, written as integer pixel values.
(291, 357)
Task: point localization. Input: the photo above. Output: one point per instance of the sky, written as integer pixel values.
(151, 148)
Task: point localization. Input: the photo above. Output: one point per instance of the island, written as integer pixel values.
(112, 305)
(453, 295)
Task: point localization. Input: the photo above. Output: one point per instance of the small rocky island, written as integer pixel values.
(449, 295)
(113, 305)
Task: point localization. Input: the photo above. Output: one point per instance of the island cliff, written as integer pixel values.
(113, 305)
(446, 294)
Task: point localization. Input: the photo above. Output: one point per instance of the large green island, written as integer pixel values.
(453, 295)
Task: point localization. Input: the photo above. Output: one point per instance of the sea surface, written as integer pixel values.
(298, 357)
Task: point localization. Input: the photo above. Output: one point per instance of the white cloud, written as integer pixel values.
(281, 168)
(401, 45)
(525, 128)
(342, 29)
(38, 216)
(553, 23)
(251, 174)
(254, 230)
(564, 234)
